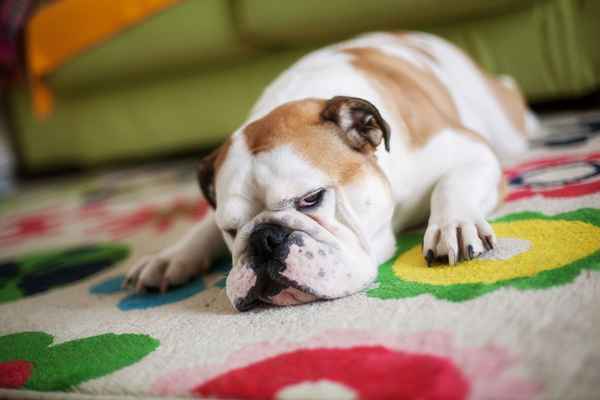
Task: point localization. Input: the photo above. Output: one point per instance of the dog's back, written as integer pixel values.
(431, 76)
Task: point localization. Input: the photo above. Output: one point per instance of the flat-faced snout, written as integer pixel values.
(269, 241)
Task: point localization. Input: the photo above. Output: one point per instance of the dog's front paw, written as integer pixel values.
(159, 271)
(458, 239)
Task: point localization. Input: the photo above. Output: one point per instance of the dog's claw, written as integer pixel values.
(485, 245)
(470, 252)
(452, 257)
(164, 285)
(487, 240)
(429, 257)
(460, 240)
(126, 283)
(139, 287)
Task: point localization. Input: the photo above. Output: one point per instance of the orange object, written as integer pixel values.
(65, 28)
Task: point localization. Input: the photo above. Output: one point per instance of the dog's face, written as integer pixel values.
(298, 197)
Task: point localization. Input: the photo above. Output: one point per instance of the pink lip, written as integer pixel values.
(291, 296)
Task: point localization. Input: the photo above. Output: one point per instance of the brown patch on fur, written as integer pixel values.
(415, 95)
(474, 135)
(405, 37)
(511, 99)
(512, 102)
(423, 51)
(298, 123)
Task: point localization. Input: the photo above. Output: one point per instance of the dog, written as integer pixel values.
(352, 144)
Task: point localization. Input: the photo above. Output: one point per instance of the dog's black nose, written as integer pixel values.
(267, 240)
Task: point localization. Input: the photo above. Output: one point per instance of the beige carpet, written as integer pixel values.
(521, 323)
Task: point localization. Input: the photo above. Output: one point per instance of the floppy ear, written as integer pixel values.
(360, 121)
(206, 177)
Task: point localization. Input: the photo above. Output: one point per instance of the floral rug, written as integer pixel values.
(522, 322)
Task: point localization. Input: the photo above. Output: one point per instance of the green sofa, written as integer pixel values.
(185, 78)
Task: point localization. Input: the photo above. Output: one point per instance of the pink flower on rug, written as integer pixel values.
(357, 364)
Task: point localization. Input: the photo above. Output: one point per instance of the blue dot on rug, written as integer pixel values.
(138, 301)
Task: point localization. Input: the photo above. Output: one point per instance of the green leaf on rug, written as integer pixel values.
(39, 272)
(65, 365)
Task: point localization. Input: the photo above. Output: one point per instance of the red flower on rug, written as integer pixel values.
(160, 217)
(563, 176)
(367, 372)
(356, 364)
(29, 226)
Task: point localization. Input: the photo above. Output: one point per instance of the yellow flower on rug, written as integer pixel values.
(534, 251)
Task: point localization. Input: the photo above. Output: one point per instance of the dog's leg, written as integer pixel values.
(176, 264)
(460, 201)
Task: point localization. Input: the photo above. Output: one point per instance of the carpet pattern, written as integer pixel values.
(520, 323)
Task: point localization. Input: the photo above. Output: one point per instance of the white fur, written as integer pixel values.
(453, 179)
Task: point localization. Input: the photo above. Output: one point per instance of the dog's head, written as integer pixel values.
(299, 198)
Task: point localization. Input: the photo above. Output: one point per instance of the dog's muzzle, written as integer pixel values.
(269, 246)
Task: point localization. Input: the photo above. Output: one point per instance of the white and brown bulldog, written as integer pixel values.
(349, 146)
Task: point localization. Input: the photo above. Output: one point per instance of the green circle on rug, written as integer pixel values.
(554, 249)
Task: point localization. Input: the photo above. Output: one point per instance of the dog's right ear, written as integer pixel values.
(362, 125)
(206, 177)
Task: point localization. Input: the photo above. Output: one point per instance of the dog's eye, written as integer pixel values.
(231, 232)
(312, 200)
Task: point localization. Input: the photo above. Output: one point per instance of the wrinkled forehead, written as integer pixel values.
(247, 183)
(281, 174)
(298, 128)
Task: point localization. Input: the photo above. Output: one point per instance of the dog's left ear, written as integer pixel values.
(363, 126)
(206, 177)
(208, 167)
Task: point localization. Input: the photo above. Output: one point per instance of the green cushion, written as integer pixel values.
(193, 34)
(291, 23)
(589, 32)
(551, 48)
(154, 117)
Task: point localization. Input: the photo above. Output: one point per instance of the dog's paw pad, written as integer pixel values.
(160, 272)
(457, 241)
